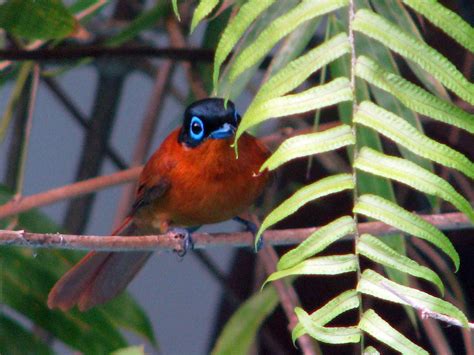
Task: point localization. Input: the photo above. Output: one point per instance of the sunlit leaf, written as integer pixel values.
(448, 21)
(370, 350)
(374, 284)
(323, 187)
(240, 331)
(408, 173)
(131, 350)
(413, 96)
(202, 10)
(374, 249)
(344, 302)
(308, 144)
(37, 19)
(331, 335)
(305, 11)
(234, 31)
(317, 97)
(390, 213)
(374, 325)
(174, 3)
(401, 132)
(405, 44)
(317, 242)
(321, 265)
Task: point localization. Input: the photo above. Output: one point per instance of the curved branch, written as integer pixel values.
(172, 241)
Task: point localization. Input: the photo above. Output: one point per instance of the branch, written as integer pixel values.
(170, 241)
(78, 52)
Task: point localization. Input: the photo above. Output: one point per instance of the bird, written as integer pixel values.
(194, 178)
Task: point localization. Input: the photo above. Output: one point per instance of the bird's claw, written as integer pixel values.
(186, 241)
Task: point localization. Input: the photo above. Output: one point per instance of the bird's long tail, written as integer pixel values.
(98, 277)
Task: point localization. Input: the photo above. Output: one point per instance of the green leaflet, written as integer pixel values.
(413, 96)
(404, 134)
(390, 213)
(320, 96)
(376, 250)
(306, 10)
(408, 173)
(131, 350)
(330, 335)
(448, 21)
(373, 324)
(298, 70)
(344, 302)
(322, 265)
(309, 144)
(15, 339)
(202, 10)
(323, 187)
(174, 3)
(370, 350)
(317, 242)
(405, 44)
(374, 284)
(240, 331)
(234, 31)
(37, 19)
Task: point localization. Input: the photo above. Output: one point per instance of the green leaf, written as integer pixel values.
(322, 265)
(309, 144)
(298, 70)
(405, 44)
(370, 350)
(305, 11)
(317, 242)
(174, 4)
(448, 21)
(340, 304)
(413, 96)
(37, 19)
(202, 10)
(404, 134)
(240, 331)
(131, 350)
(330, 335)
(374, 249)
(374, 325)
(234, 31)
(390, 213)
(15, 339)
(374, 284)
(408, 173)
(323, 187)
(317, 97)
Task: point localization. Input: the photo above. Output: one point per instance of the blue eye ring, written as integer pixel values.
(196, 128)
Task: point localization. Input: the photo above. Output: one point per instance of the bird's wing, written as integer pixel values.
(147, 193)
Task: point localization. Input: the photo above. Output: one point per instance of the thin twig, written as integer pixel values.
(448, 221)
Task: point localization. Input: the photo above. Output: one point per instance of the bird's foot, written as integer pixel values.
(252, 228)
(186, 240)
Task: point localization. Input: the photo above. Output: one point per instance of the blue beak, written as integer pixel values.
(226, 131)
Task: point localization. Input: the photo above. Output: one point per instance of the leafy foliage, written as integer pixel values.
(373, 33)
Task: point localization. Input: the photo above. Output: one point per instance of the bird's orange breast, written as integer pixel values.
(207, 184)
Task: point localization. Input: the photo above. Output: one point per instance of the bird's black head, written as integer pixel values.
(208, 119)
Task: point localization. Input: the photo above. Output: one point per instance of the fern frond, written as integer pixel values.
(309, 144)
(448, 21)
(376, 250)
(323, 187)
(401, 132)
(395, 38)
(203, 9)
(374, 284)
(317, 242)
(390, 213)
(306, 10)
(330, 335)
(410, 174)
(374, 325)
(413, 96)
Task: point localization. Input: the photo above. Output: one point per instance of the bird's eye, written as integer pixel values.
(196, 128)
